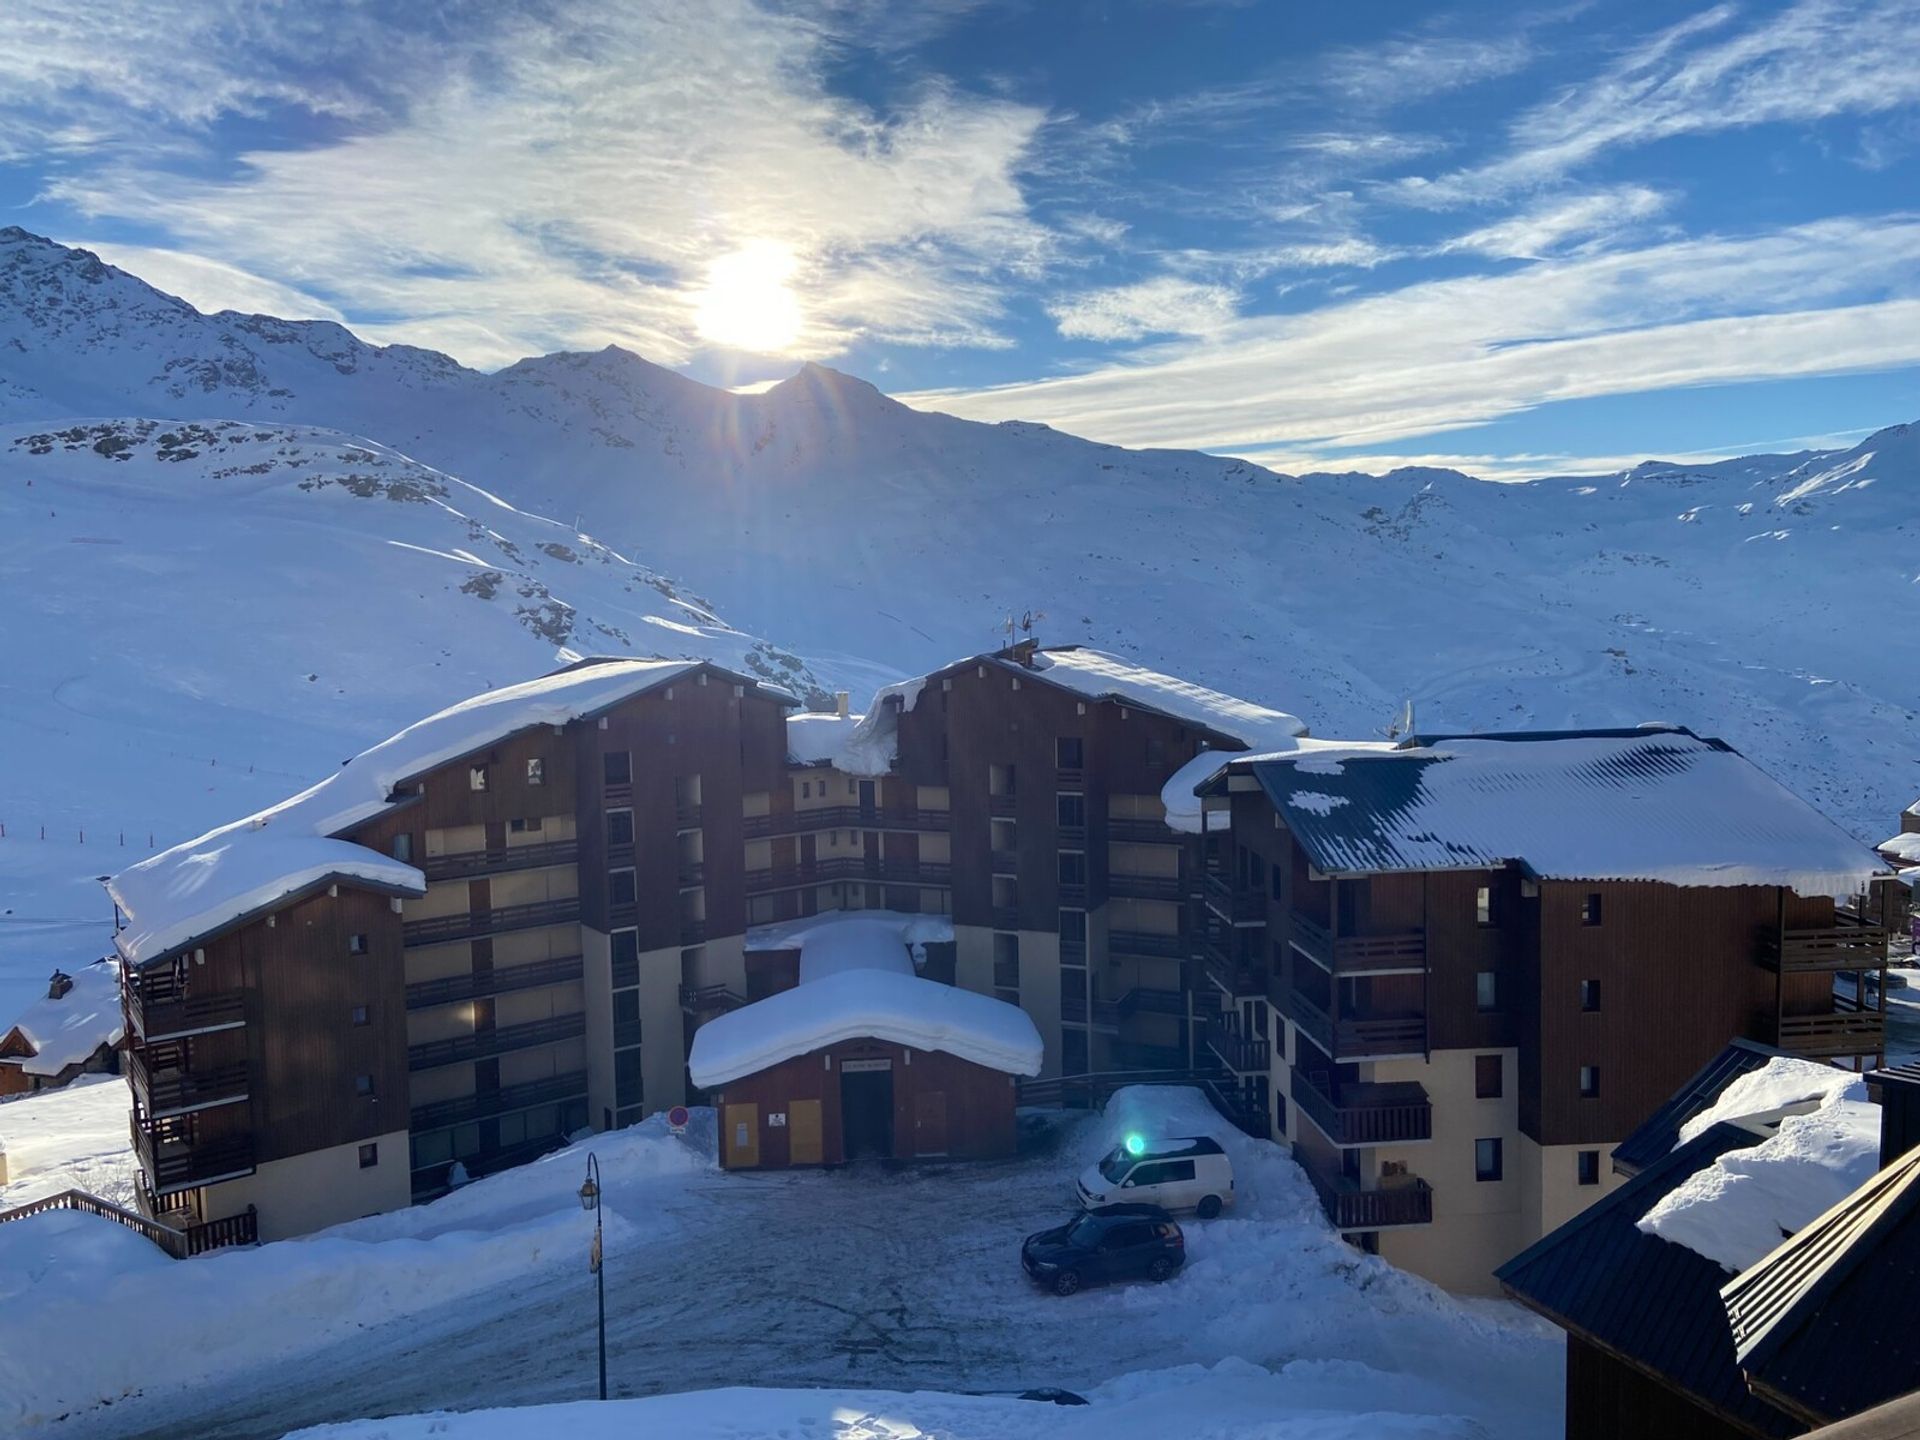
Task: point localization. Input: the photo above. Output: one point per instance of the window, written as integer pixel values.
(616, 767)
(369, 1156)
(403, 846)
(1483, 905)
(1279, 1114)
(531, 826)
(619, 828)
(1486, 990)
(477, 778)
(626, 958)
(1488, 1071)
(1073, 927)
(536, 771)
(1069, 752)
(806, 789)
(356, 944)
(1277, 882)
(1073, 867)
(1588, 1167)
(363, 1085)
(621, 889)
(1486, 1159)
(1590, 909)
(1156, 753)
(1071, 811)
(360, 1015)
(853, 787)
(1589, 994)
(1589, 1081)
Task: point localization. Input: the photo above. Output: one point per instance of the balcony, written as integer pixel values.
(1005, 804)
(485, 1043)
(1234, 905)
(617, 797)
(1072, 778)
(1837, 1034)
(1235, 976)
(1354, 1037)
(844, 817)
(1142, 942)
(1144, 887)
(1364, 1114)
(162, 1088)
(1143, 832)
(493, 862)
(1352, 1209)
(1005, 862)
(176, 1160)
(1005, 917)
(1847, 944)
(709, 999)
(1072, 893)
(693, 932)
(1242, 1054)
(1400, 952)
(485, 1104)
(468, 924)
(687, 816)
(505, 980)
(691, 875)
(160, 1009)
(1146, 1000)
(849, 867)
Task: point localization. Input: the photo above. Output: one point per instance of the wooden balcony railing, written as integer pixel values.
(845, 817)
(484, 1043)
(1142, 942)
(1222, 969)
(501, 981)
(1352, 1209)
(1147, 1000)
(469, 923)
(705, 999)
(1005, 917)
(1847, 944)
(1358, 954)
(1364, 1114)
(1143, 832)
(1074, 778)
(617, 797)
(1355, 1037)
(1144, 887)
(180, 1161)
(1833, 1035)
(485, 1104)
(162, 1090)
(162, 1010)
(241, 1229)
(851, 867)
(1003, 804)
(693, 932)
(1072, 893)
(1242, 1054)
(505, 859)
(1005, 862)
(1232, 904)
(687, 815)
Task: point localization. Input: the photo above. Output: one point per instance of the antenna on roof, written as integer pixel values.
(1401, 724)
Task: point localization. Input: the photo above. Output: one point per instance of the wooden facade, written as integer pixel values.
(905, 1104)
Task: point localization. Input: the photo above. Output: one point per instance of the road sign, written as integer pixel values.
(677, 1120)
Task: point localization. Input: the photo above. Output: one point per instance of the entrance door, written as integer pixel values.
(930, 1122)
(803, 1133)
(743, 1137)
(866, 1113)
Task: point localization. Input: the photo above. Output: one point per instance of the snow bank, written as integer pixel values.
(1736, 1210)
(855, 1004)
(1656, 805)
(66, 1031)
(194, 888)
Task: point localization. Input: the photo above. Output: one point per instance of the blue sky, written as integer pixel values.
(1518, 240)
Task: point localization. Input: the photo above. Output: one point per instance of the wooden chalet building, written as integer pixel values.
(1461, 969)
(506, 923)
(75, 1029)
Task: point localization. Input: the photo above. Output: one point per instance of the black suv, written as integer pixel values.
(1119, 1242)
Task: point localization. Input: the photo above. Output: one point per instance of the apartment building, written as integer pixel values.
(505, 923)
(1464, 968)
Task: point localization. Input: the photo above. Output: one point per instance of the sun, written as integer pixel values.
(747, 303)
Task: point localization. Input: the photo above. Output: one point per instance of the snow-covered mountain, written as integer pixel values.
(1759, 598)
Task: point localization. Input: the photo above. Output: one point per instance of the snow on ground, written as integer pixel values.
(880, 1279)
(73, 1138)
(1740, 1207)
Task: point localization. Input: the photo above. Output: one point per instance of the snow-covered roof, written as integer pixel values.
(1739, 1208)
(1663, 805)
(1903, 849)
(845, 742)
(66, 1031)
(1107, 677)
(183, 894)
(857, 983)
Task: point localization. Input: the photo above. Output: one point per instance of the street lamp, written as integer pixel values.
(590, 1200)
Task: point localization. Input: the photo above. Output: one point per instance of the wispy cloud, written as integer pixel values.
(568, 180)
(1446, 354)
(1545, 228)
(1165, 305)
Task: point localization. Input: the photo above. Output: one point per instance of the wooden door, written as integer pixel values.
(804, 1145)
(930, 1122)
(742, 1137)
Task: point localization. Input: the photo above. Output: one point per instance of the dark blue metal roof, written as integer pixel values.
(1660, 1131)
(1824, 1325)
(1654, 1304)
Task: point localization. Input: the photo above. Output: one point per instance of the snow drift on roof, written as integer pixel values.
(1183, 806)
(66, 1031)
(187, 892)
(1903, 849)
(915, 932)
(846, 742)
(857, 982)
(1738, 1209)
(1612, 805)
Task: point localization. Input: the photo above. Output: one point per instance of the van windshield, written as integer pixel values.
(1115, 1167)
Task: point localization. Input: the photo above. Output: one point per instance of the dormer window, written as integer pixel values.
(536, 771)
(477, 778)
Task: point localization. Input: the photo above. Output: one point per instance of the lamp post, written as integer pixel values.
(590, 1200)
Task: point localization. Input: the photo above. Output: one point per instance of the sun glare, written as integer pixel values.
(746, 303)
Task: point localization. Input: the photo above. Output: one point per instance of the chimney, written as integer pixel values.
(1897, 1092)
(840, 703)
(58, 984)
(1023, 652)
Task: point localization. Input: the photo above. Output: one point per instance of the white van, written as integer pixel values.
(1185, 1174)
